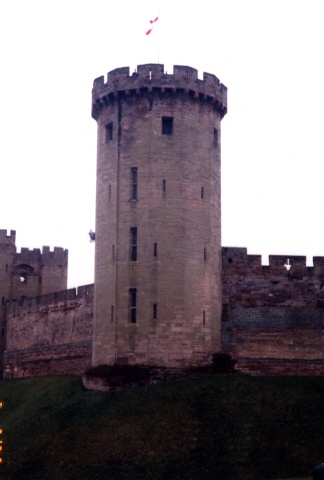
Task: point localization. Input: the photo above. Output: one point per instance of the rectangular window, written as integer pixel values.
(164, 186)
(204, 317)
(133, 235)
(109, 132)
(205, 254)
(155, 311)
(215, 137)
(167, 125)
(202, 192)
(134, 183)
(132, 297)
(109, 192)
(155, 250)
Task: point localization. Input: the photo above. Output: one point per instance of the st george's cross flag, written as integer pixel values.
(152, 22)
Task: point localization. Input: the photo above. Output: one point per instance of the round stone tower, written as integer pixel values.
(158, 216)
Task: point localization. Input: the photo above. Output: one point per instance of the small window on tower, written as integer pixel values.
(133, 252)
(215, 137)
(109, 132)
(134, 183)
(23, 278)
(167, 125)
(154, 311)
(132, 298)
(155, 250)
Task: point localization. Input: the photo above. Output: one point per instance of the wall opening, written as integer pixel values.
(133, 252)
(109, 132)
(167, 125)
(133, 300)
(134, 183)
(215, 137)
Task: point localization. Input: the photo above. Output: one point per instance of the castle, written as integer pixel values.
(166, 293)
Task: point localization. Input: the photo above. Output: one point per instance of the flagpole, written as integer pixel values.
(159, 36)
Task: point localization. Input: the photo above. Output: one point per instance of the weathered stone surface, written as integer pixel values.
(273, 317)
(175, 209)
(51, 334)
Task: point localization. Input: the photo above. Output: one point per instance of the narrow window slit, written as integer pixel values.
(133, 299)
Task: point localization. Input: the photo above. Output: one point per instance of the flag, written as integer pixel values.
(152, 23)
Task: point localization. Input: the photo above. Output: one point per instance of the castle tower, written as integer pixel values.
(158, 216)
(37, 272)
(29, 273)
(7, 256)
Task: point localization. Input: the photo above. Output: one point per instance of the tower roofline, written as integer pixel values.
(6, 239)
(151, 77)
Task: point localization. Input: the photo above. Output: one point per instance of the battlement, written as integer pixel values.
(285, 281)
(44, 256)
(152, 78)
(237, 259)
(6, 239)
(53, 298)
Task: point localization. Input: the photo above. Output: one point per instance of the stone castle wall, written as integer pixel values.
(50, 334)
(27, 273)
(272, 321)
(273, 316)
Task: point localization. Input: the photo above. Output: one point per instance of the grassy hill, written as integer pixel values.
(220, 427)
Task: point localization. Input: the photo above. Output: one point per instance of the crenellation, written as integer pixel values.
(281, 260)
(318, 262)
(42, 301)
(8, 239)
(182, 72)
(149, 71)
(268, 318)
(151, 77)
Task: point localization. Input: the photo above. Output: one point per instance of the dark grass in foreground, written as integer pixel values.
(219, 427)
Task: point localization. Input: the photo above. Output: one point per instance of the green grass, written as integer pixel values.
(220, 427)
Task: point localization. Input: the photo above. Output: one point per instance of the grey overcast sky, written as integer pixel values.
(269, 53)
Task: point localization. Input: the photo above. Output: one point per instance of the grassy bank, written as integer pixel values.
(214, 427)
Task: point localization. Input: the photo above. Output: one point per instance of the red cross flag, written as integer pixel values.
(152, 22)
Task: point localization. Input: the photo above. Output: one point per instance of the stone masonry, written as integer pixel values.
(158, 231)
(165, 292)
(28, 273)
